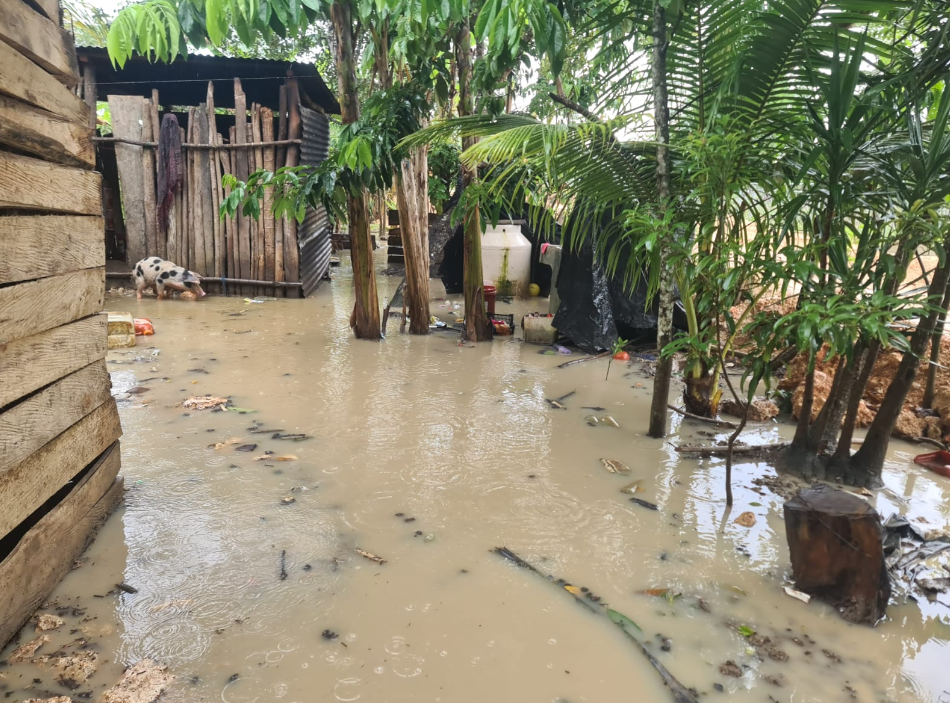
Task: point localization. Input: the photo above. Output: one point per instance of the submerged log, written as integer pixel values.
(835, 542)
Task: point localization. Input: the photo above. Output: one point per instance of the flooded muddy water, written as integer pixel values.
(429, 455)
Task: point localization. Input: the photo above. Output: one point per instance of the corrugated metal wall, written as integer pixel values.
(313, 236)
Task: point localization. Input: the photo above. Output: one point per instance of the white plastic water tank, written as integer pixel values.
(506, 260)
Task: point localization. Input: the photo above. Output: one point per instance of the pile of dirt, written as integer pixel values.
(914, 420)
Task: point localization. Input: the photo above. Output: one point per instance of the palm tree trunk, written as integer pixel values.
(867, 462)
(664, 322)
(412, 196)
(365, 317)
(477, 326)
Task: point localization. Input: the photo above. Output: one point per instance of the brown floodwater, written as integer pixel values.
(429, 455)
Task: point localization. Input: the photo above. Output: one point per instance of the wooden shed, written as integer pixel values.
(233, 116)
(59, 428)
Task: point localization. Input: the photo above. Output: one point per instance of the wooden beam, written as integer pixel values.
(32, 184)
(40, 39)
(89, 90)
(46, 553)
(33, 422)
(30, 363)
(126, 111)
(50, 8)
(241, 172)
(36, 306)
(203, 181)
(38, 246)
(36, 479)
(44, 134)
(23, 79)
(267, 134)
(152, 233)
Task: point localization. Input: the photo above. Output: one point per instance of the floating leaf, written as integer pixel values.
(746, 631)
(622, 620)
(657, 592)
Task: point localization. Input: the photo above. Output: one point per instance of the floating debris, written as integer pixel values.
(368, 555)
(746, 519)
(25, 652)
(48, 622)
(803, 597)
(246, 448)
(287, 500)
(126, 588)
(142, 683)
(615, 467)
(293, 437)
(644, 503)
(205, 402)
(633, 487)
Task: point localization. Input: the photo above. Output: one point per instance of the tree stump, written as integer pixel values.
(835, 542)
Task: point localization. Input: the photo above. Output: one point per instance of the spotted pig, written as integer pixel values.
(159, 274)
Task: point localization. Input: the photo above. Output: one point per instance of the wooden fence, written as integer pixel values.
(59, 427)
(239, 255)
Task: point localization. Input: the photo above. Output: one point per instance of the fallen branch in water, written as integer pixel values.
(681, 694)
(723, 450)
(710, 420)
(581, 361)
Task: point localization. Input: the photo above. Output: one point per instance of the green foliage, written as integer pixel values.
(364, 155)
(444, 168)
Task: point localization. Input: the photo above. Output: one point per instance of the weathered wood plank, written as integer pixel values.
(152, 246)
(215, 182)
(35, 480)
(44, 134)
(46, 553)
(30, 363)
(32, 184)
(33, 422)
(50, 8)
(267, 134)
(40, 39)
(126, 111)
(241, 172)
(205, 187)
(33, 307)
(89, 93)
(47, 245)
(23, 79)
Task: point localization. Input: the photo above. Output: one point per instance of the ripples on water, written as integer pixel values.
(461, 443)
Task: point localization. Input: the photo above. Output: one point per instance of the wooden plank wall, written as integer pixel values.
(59, 427)
(260, 249)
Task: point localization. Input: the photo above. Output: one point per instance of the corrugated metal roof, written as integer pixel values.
(313, 234)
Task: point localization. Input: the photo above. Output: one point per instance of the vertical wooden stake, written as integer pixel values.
(241, 171)
(152, 247)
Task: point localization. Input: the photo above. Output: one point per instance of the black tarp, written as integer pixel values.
(595, 311)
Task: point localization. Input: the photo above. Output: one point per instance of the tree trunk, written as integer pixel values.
(477, 326)
(931, 389)
(412, 196)
(664, 321)
(365, 318)
(866, 464)
(835, 544)
(866, 360)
